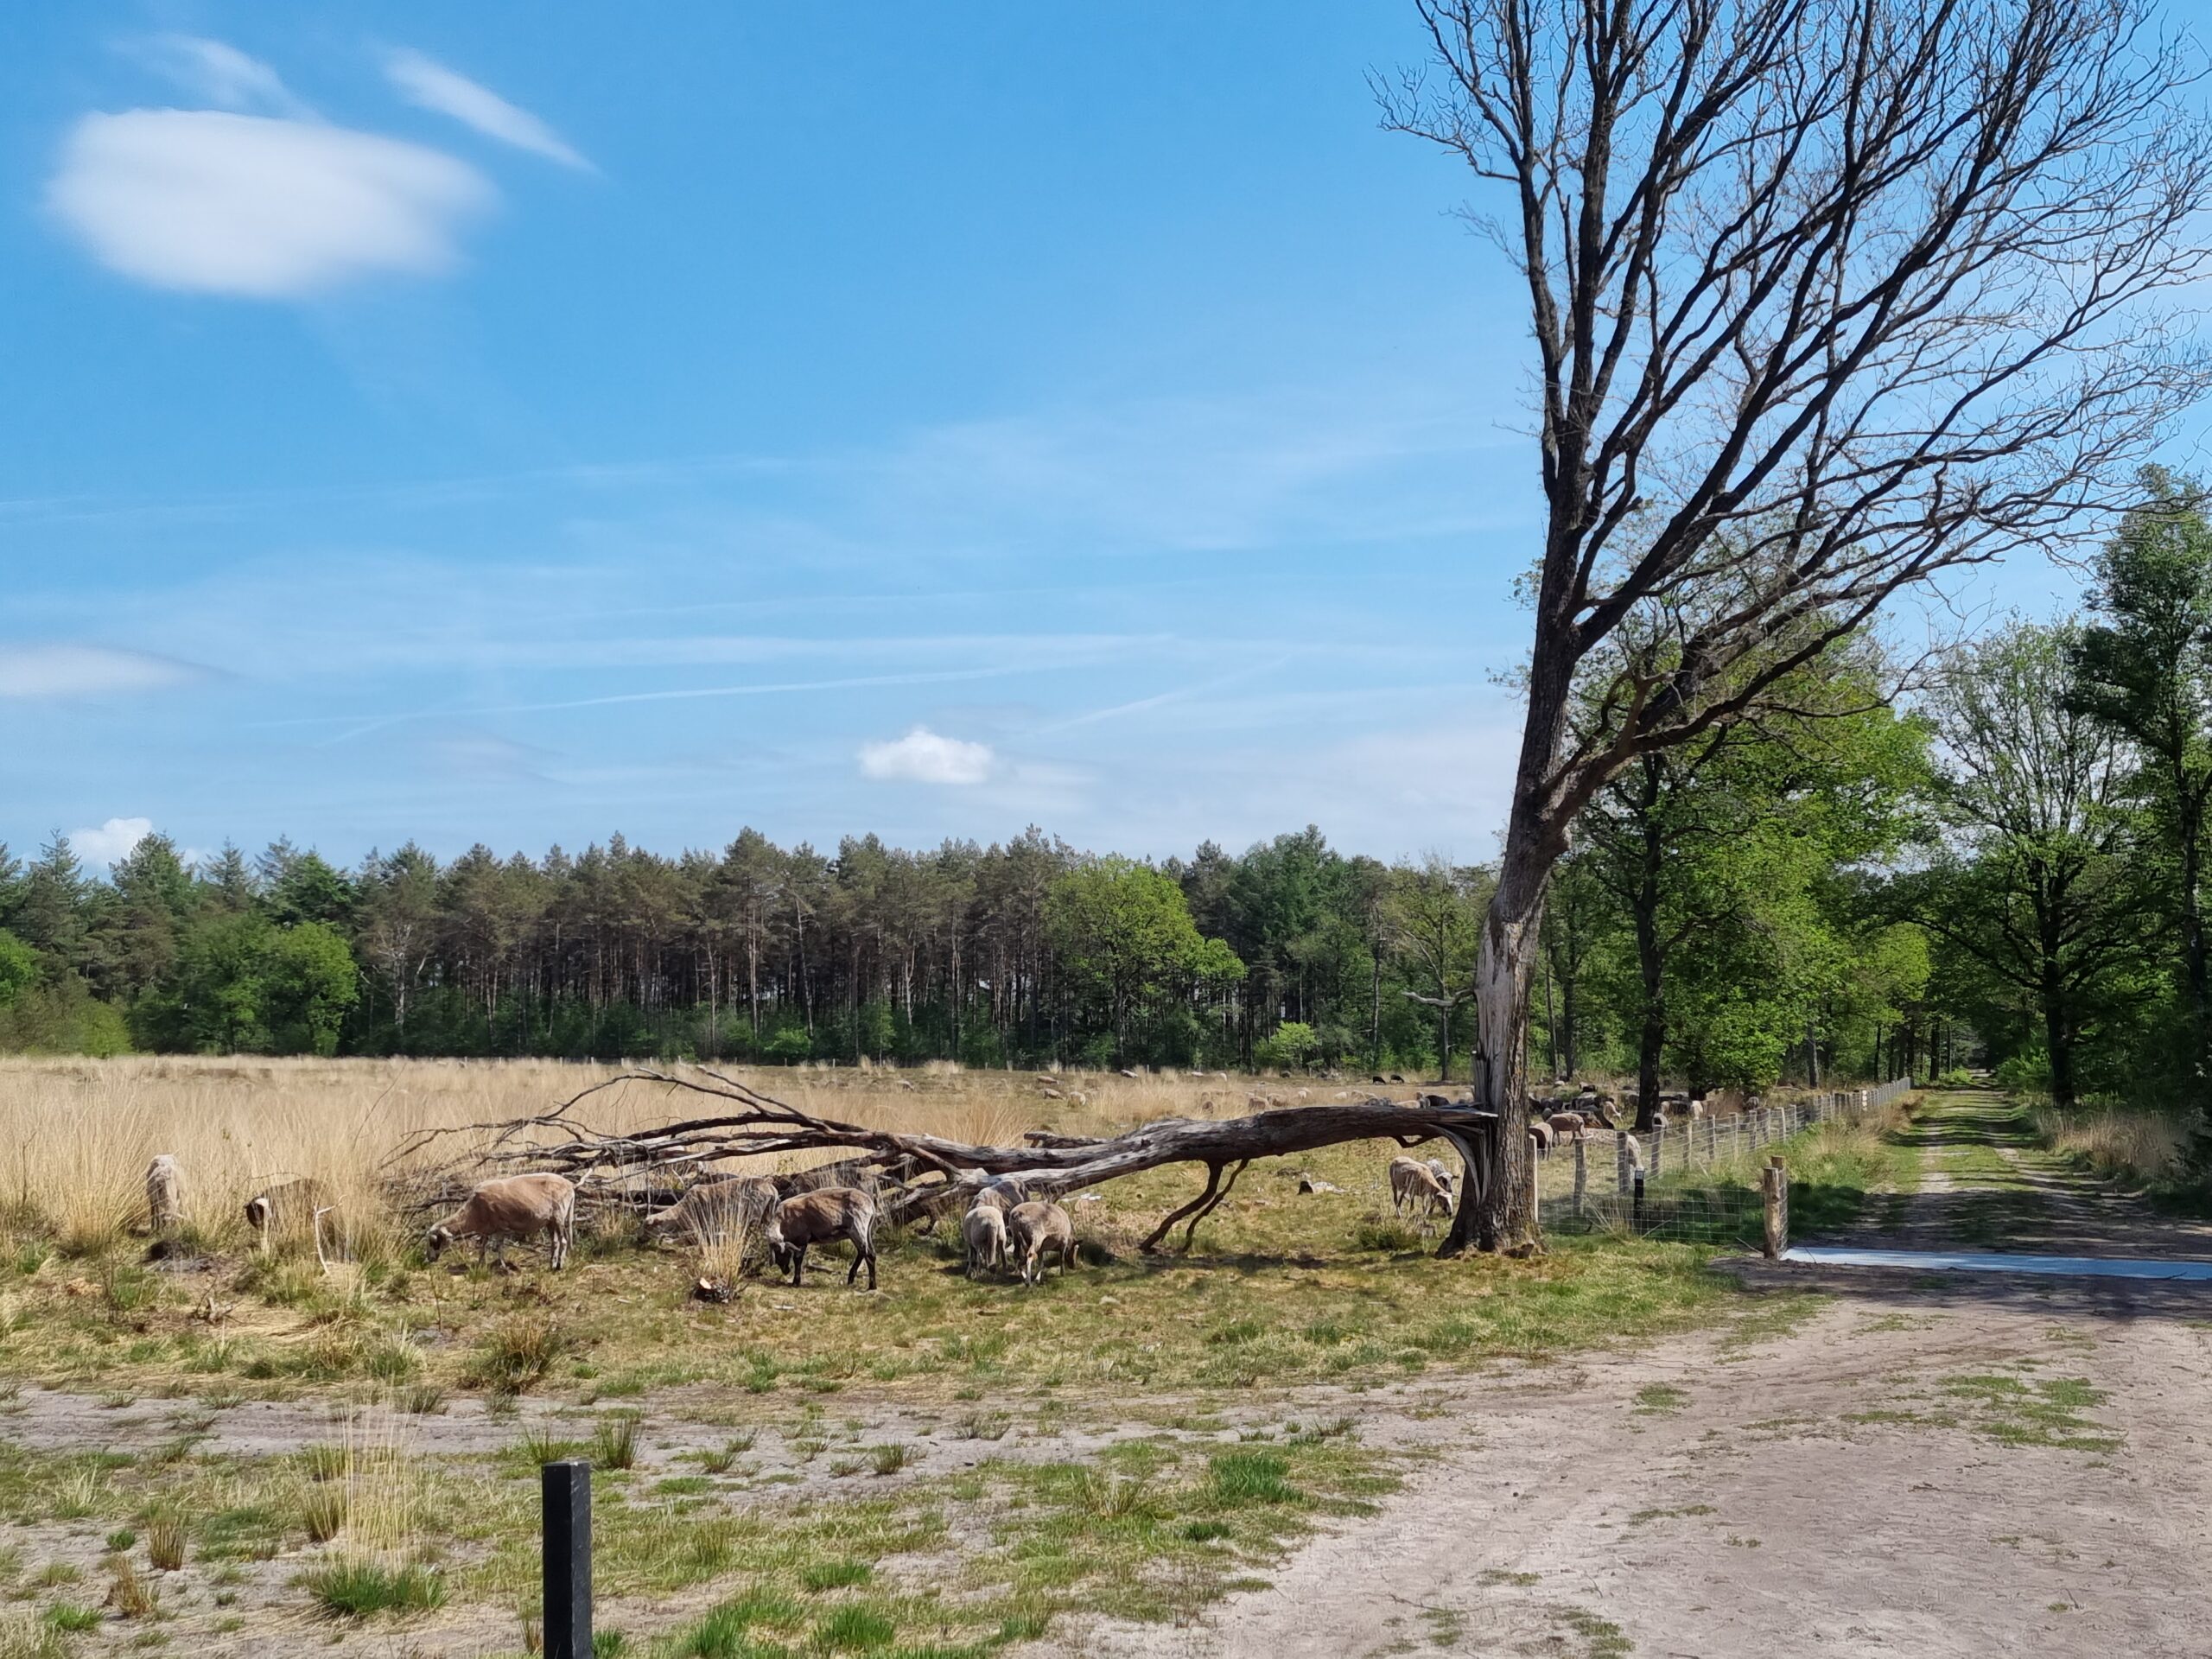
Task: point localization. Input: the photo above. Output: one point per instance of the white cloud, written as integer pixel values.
(923, 757)
(247, 204)
(218, 72)
(429, 84)
(111, 842)
(87, 671)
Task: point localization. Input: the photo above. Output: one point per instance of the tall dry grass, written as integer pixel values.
(2144, 1148)
(76, 1135)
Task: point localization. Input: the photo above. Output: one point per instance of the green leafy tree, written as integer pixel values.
(307, 982)
(2035, 880)
(1122, 934)
(2144, 670)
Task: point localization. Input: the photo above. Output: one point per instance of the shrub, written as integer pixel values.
(614, 1441)
(517, 1355)
(356, 1589)
(1237, 1480)
(165, 1542)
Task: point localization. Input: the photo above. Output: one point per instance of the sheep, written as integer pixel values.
(1436, 1167)
(1567, 1126)
(1540, 1138)
(513, 1207)
(1034, 1228)
(164, 1196)
(1413, 1182)
(286, 1206)
(712, 1210)
(1003, 1193)
(982, 1230)
(816, 1217)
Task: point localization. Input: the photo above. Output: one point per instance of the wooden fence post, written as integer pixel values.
(1658, 1148)
(1621, 1159)
(566, 1489)
(1774, 1187)
(1581, 1172)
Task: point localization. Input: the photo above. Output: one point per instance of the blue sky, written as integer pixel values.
(519, 423)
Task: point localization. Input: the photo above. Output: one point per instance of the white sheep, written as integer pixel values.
(513, 1207)
(1034, 1228)
(1413, 1182)
(816, 1218)
(1443, 1179)
(982, 1231)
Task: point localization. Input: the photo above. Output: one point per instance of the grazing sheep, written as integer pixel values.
(1412, 1182)
(816, 1217)
(1540, 1135)
(1397, 1077)
(1034, 1228)
(982, 1230)
(1443, 1173)
(1694, 1107)
(1002, 1193)
(713, 1209)
(514, 1207)
(288, 1206)
(1567, 1126)
(164, 1195)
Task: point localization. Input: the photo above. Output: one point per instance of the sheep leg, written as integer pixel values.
(798, 1263)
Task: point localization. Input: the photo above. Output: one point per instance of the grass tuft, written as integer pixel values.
(354, 1588)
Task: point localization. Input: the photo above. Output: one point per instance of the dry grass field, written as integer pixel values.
(945, 1466)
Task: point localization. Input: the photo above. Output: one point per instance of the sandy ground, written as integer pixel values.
(1842, 1490)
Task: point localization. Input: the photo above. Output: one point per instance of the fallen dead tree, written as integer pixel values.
(914, 1175)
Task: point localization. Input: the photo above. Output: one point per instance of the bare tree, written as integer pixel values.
(1827, 296)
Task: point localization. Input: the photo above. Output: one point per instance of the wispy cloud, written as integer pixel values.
(111, 841)
(923, 757)
(71, 671)
(247, 204)
(219, 74)
(425, 82)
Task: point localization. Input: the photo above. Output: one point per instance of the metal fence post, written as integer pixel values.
(567, 1491)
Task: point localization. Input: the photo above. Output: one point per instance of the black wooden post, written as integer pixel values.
(567, 1489)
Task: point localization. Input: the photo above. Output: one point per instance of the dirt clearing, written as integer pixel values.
(1926, 1467)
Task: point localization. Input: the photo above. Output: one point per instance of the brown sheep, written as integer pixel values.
(713, 1209)
(1539, 1139)
(517, 1207)
(1567, 1126)
(1413, 1182)
(816, 1217)
(1034, 1228)
(1002, 1193)
(983, 1232)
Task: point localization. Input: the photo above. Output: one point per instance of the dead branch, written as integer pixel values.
(915, 1175)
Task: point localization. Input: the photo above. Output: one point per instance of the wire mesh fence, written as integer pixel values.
(1684, 1181)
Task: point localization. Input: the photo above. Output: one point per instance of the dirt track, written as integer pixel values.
(1928, 1467)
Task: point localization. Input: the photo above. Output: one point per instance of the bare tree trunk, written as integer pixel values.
(1499, 1213)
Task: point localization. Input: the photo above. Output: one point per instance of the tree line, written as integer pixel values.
(1716, 921)
(1870, 873)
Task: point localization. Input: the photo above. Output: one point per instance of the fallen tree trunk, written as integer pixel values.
(925, 1173)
